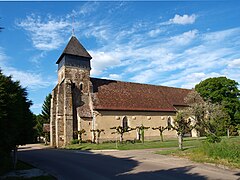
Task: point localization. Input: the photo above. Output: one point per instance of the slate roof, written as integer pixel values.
(74, 47)
(117, 95)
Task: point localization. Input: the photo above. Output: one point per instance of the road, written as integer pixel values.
(131, 164)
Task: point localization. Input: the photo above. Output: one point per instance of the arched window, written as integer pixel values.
(125, 123)
(169, 123)
(81, 87)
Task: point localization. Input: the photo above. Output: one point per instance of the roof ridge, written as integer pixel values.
(140, 83)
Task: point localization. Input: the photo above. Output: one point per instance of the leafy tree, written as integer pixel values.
(80, 133)
(97, 134)
(120, 130)
(161, 130)
(182, 125)
(207, 117)
(217, 119)
(223, 91)
(140, 131)
(16, 119)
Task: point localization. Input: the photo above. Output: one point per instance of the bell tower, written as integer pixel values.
(71, 94)
(74, 56)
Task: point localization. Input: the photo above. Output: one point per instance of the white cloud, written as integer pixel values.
(144, 77)
(155, 32)
(215, 37)
(37, 106)
(185, 38)
(115, 76)
(137, 52)
(101, 60)
(234, 63)
(37, 57)
(183, 20)
(48, 34)
(29, 79)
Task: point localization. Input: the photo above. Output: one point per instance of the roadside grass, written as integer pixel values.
(171, 143)
(226, 153)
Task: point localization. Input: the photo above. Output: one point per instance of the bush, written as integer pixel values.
(212, 138)
(75, 141)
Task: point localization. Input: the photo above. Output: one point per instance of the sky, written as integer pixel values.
(170, 43)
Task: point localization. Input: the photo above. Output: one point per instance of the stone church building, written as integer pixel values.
(83, 102)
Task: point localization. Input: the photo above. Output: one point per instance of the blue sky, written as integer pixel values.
(171, 43)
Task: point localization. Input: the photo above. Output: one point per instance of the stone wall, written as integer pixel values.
(53, 117)
(107, 119)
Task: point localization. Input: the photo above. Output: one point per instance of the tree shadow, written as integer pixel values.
(173, 173)
(74, 164)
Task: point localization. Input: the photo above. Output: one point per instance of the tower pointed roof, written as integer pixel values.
(74, 47)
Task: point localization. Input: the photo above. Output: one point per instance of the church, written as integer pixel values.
(83, 102)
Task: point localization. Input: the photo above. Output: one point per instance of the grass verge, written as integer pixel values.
(226, 153)
(131, 146)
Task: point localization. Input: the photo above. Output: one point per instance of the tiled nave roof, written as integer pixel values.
(118, 95)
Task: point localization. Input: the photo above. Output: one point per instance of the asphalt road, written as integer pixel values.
(134, 164)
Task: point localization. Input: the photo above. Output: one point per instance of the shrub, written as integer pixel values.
(75, 141)
(212, 138)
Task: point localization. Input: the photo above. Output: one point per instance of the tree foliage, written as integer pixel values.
(208, 118)
(121, 130)
(161, 129)
(96, 134)
(223, 91)
(140, 131)
(16, 119)
(44, 117)
(182, 125)
(46, 109)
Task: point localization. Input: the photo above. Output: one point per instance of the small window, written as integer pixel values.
(169, 123)
(125, 123)
(81, 87)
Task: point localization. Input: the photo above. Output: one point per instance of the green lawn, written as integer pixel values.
(226, 153)
(130, 146)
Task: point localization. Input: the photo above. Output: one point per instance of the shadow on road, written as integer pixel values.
(68, 164)
(174, 173)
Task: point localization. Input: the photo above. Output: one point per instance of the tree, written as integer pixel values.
(120, 130)
(16, 119)
(80, 133)
(140, 131)
(223, 91)
(207, 117)
(97, 134)
(43, 118)
(46, 107)
(182, 125)
(217, 119)
(196, 110)
(161, 130)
